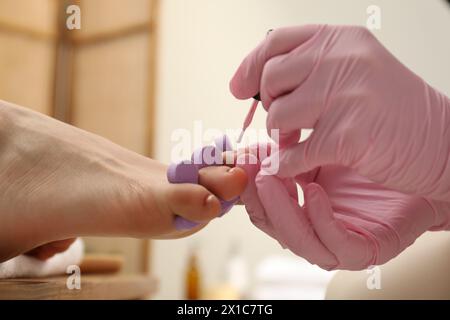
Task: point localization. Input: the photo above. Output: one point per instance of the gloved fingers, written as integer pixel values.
(304, 156)
(353, 250)
(246, 81)
(304, 179)
(250, 164)
(260, 151)
(441, 213)
(299, 109)
(284, 73)
(291, 223)
(283, 138)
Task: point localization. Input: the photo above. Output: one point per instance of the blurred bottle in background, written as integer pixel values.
(193, 277)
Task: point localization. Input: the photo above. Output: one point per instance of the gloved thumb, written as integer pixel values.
(353, 248)
(300, 158)
(290, 222)
(253, 205)
(249, 197)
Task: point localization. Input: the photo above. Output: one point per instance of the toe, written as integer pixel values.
(193, 202)
(225, 182)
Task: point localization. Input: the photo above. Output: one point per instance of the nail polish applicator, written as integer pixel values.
(249, 118)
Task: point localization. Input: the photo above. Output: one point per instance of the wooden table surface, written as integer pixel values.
(92, 287)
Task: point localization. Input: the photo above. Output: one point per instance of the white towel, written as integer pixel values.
(291, 278)
(24, 266)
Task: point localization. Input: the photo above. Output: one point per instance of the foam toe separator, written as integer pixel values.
(187, 172)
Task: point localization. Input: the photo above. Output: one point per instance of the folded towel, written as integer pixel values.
(24, 266)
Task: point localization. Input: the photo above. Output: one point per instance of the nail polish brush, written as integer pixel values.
(249, 117)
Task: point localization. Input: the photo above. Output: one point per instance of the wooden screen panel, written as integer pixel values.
(37, 15)
(110, 98)
(27, 69)
(104, 16)
(27, 52)
(111, 84)
(110, 90)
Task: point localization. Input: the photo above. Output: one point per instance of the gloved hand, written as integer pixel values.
(368, 111)
(347, 221)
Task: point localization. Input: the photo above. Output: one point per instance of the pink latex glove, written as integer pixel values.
(347, 222)
(368, 111)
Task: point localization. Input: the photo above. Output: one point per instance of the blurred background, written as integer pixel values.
(139, 69)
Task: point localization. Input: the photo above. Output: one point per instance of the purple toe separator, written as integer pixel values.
(227, 205)
(223, 143)
(205, 157)
(187, 172)
(184, 224)
(182, 172)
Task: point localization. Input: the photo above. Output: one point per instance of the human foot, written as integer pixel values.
(226, 183)
(58, 182)
(48, 250)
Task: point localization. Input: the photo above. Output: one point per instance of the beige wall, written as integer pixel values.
(201, 44)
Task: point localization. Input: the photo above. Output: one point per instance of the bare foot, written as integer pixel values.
(58, 182)
(224, 182)
(48, 250)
